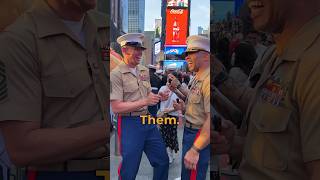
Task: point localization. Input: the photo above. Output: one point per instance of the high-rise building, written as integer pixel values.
(136, 16)
(124, 15)
(157, 27)
(200, 30)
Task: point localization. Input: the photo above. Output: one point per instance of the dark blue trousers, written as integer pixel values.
(189, 136)
(136, 138)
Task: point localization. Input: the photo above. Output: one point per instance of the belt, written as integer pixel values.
(76, 165)
(188, 124)
(135, 113)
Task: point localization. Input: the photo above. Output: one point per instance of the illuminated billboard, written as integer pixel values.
(157, 48)
(176, 26)
(180, 64)
(177, 3)
(175, 50)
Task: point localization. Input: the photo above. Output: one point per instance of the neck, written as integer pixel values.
(294, 24)
(66, 11)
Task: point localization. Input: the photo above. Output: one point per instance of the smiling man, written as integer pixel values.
(130, 97)
(281, 130)
(196, 135)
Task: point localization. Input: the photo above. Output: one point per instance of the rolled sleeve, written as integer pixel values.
(206, 95)
(116, 86)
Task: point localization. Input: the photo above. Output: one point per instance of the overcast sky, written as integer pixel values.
(200, 14)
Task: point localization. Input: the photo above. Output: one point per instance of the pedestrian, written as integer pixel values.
(53, 100)
(130, 96)
(169, 131)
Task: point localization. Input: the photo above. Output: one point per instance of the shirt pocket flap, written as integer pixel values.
(194, 98)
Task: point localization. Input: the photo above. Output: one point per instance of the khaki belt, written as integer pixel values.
(135, 113)
(188, 124)
(78, 165)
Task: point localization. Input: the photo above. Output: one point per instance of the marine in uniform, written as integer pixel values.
(53, 91)
(281, 127)
(130, 96)
(196, 136)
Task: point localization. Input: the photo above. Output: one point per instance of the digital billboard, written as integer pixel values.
(177, 3)
(176, 26)
(157, 48)
(180, 64)
(175, 50)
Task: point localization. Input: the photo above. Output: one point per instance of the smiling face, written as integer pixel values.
(269, 15)
(196, 60)
(132, 55)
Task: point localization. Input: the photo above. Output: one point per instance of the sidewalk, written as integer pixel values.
(145, 169)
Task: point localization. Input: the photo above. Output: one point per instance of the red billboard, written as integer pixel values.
(176, 26)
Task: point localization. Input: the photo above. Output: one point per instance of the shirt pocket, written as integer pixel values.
(146, 87)
(194, 98)
(130, 84)
(272, 123)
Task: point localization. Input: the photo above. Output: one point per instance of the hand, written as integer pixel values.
(164, 95)
(179, 106)
(191, 159)
(221, 142)
(174, 81)
(171, 87)
(152, 99)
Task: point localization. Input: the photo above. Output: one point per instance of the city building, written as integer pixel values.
(136, 16)
(200, 30)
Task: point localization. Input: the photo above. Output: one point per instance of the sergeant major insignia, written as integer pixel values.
(3, 82)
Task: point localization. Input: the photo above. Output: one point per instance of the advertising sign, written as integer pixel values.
(157, 47)
(177, 3)
(180, 64)
(175, 50)
(176, 26)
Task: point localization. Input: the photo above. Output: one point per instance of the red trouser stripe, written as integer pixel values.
(193, 175)
(119, 143)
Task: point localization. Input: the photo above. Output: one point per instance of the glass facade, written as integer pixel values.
(136, 16)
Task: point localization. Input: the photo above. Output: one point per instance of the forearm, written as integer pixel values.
(204, 137)
(124, 107)
(184, 90)
(239, 94)
(45, 146)
(180, 95)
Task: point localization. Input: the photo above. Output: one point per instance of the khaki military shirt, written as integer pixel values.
(47, 76)
(198, 100)
(127, 87)
(284, 118)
